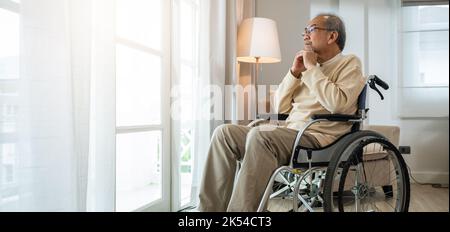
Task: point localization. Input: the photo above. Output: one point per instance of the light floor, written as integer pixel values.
(424, 198)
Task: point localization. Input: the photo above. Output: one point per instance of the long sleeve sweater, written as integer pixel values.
(332, 88)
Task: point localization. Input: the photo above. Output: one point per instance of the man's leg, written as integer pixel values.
(266, 150)
(227, 146)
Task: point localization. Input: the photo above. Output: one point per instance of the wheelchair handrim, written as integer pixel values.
(398, 165)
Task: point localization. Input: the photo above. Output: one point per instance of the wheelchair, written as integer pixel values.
(360, 172)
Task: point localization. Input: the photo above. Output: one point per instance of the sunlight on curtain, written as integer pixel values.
(57, 102)
(199, 58)
(37, 138)
(9, 106)
(190, 77)
(51, 124)
(204, 60)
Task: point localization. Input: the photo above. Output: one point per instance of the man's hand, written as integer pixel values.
(309, 56)
(298, 66)
(304, 60)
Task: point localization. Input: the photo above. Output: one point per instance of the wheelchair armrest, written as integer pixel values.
(336, 117)
(273, 117)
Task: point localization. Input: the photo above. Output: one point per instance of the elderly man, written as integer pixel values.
(321, 81)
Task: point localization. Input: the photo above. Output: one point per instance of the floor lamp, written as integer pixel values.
(258, 43)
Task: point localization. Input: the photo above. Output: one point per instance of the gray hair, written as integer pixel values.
(335, 23)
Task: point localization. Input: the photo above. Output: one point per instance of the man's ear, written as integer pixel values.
(333, 37)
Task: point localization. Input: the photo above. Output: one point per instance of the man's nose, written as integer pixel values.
(306, 37)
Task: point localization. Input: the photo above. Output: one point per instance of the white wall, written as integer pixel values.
(324, 6)
(429, 141)
(372, 34)
(428, 137)
(354, 14)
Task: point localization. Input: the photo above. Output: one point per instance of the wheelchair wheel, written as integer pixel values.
(367, 174)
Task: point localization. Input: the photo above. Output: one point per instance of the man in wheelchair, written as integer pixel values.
(322, 81)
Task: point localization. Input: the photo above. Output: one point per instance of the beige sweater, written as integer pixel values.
(332, 88)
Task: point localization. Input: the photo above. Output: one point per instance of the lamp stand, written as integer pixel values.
(255, 82)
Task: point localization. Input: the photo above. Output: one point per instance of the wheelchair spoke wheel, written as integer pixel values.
(369, 175)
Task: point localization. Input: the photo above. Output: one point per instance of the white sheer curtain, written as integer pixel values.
(45, 155)
(198, 58)
(59, 141)
(101, 174)
(212, 56)
(58, 125)
(219, 21)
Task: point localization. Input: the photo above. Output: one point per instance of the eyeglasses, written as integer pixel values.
(311, 29)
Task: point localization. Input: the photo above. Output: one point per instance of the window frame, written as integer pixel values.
(164, 127)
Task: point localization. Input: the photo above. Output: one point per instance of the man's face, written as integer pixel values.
(316, 34)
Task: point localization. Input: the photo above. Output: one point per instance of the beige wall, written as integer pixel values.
(291, 17)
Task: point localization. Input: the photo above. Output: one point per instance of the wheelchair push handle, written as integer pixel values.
(380, 82)
(374, 81)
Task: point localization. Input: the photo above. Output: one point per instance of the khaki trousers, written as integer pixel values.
(261, 149)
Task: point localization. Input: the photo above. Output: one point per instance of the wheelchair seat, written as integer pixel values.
(321, 157)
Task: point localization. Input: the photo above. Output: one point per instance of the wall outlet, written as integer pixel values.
(405, 150)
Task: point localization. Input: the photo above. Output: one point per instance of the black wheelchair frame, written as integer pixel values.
(338, 159)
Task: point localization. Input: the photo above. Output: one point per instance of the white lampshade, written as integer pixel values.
(258, 37)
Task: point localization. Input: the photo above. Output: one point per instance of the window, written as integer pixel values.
(151, 40)
(425, 61)
(425, 46)
(141, 93)
(143, 100)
